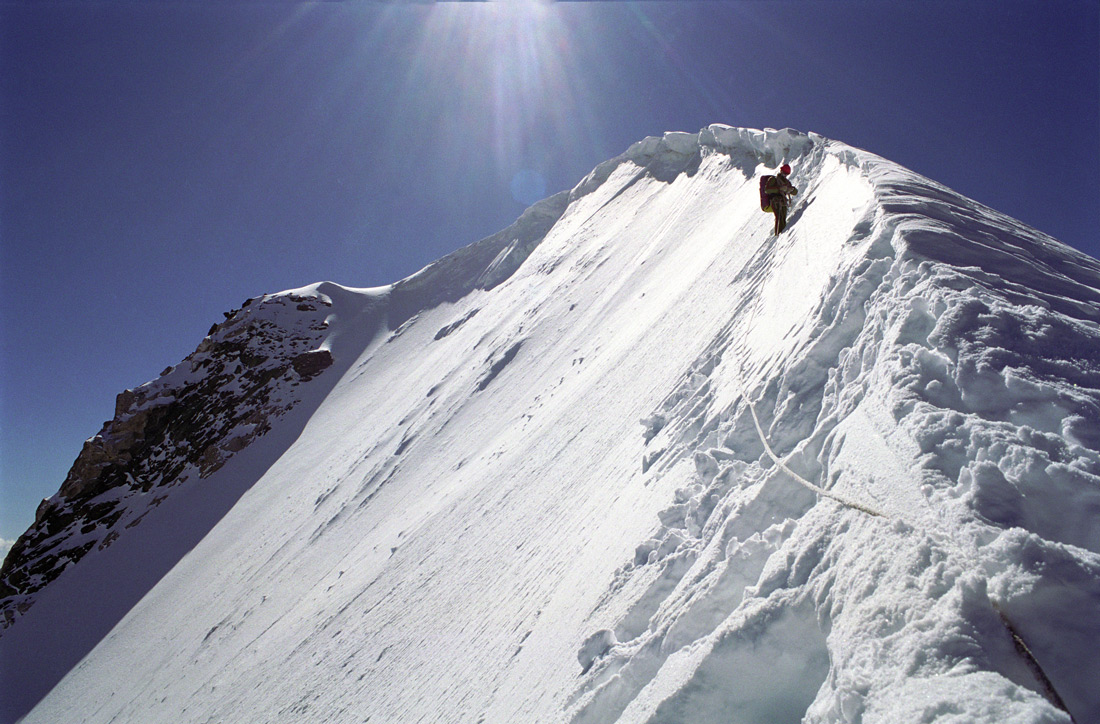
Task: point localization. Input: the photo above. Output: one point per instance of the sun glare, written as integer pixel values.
(519, 93)
(507, 72)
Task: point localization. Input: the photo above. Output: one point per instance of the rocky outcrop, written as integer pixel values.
(183, 426)
(310, 364)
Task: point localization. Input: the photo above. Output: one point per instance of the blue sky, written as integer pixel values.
(161, 162)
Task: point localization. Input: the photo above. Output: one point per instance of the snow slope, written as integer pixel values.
(541, 488)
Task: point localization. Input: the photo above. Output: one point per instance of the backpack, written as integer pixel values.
(765, 202)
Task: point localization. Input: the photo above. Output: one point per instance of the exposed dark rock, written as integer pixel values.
(183, 426)
(312, 363)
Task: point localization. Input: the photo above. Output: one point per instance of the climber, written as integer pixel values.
(775, 195)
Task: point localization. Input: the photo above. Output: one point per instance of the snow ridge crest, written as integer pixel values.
(472, 526)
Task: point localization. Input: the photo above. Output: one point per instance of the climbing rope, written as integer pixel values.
(1021, 646)
(843, 499)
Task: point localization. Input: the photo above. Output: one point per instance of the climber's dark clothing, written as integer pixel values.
(779, 190)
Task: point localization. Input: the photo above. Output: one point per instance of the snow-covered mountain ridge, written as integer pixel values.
(242, 377)
(464, 521)
(186, 423)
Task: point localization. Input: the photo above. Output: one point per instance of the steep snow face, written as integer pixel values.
(544, 493)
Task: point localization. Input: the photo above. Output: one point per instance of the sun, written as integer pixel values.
(506, 72)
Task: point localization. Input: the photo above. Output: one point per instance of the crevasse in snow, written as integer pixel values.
(534, 489)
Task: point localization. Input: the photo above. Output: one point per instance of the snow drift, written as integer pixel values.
(635, 459)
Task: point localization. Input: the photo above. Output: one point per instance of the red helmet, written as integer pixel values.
(785, 169)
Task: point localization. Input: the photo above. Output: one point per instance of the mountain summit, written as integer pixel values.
(633, 459)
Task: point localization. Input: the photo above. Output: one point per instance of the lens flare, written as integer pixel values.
(506, 73)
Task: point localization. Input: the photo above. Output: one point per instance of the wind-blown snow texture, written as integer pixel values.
(534, 490)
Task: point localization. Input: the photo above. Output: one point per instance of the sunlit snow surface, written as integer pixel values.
(545, 500)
